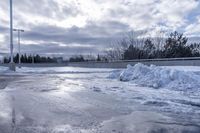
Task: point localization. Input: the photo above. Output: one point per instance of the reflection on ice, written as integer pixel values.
(86, 101)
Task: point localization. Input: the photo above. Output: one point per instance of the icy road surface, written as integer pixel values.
(79, 100)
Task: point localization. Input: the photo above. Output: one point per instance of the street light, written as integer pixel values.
(12, 64)
(18, 32)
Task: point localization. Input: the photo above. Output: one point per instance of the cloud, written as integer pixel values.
(193, 29)
(67, 26)
(96, 36)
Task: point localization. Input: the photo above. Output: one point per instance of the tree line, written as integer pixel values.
(31, 59)
(81, 58)
(174, 46)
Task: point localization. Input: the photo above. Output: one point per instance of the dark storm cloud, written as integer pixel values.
(95, 35)
(90, 39)
(55, 48)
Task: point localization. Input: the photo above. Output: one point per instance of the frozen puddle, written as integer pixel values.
(86, 101)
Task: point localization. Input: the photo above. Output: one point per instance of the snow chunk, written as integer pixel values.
(114, 74)
(159, 77)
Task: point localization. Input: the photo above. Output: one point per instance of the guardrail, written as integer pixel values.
(141, 60)
(38, 64)
(189, 61)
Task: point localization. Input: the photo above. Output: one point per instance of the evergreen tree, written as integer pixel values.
(176, 46)
(98, 58)
(149, 49)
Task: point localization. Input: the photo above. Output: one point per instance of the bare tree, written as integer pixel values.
(159, 40)
(115, 52)
(117, 49)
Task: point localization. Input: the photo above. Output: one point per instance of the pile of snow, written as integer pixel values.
(158, 77)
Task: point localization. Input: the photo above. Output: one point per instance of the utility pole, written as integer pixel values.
(19, 47)
(12, 64)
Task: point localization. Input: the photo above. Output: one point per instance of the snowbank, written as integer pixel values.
(159, 77)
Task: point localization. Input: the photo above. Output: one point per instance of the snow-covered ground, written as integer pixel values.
(138, 99)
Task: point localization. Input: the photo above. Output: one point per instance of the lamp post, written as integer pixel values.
(12, 64)
(19, 47)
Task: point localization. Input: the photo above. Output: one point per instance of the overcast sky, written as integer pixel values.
(67, 27)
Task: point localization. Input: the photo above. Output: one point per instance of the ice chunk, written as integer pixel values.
(114, 74)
